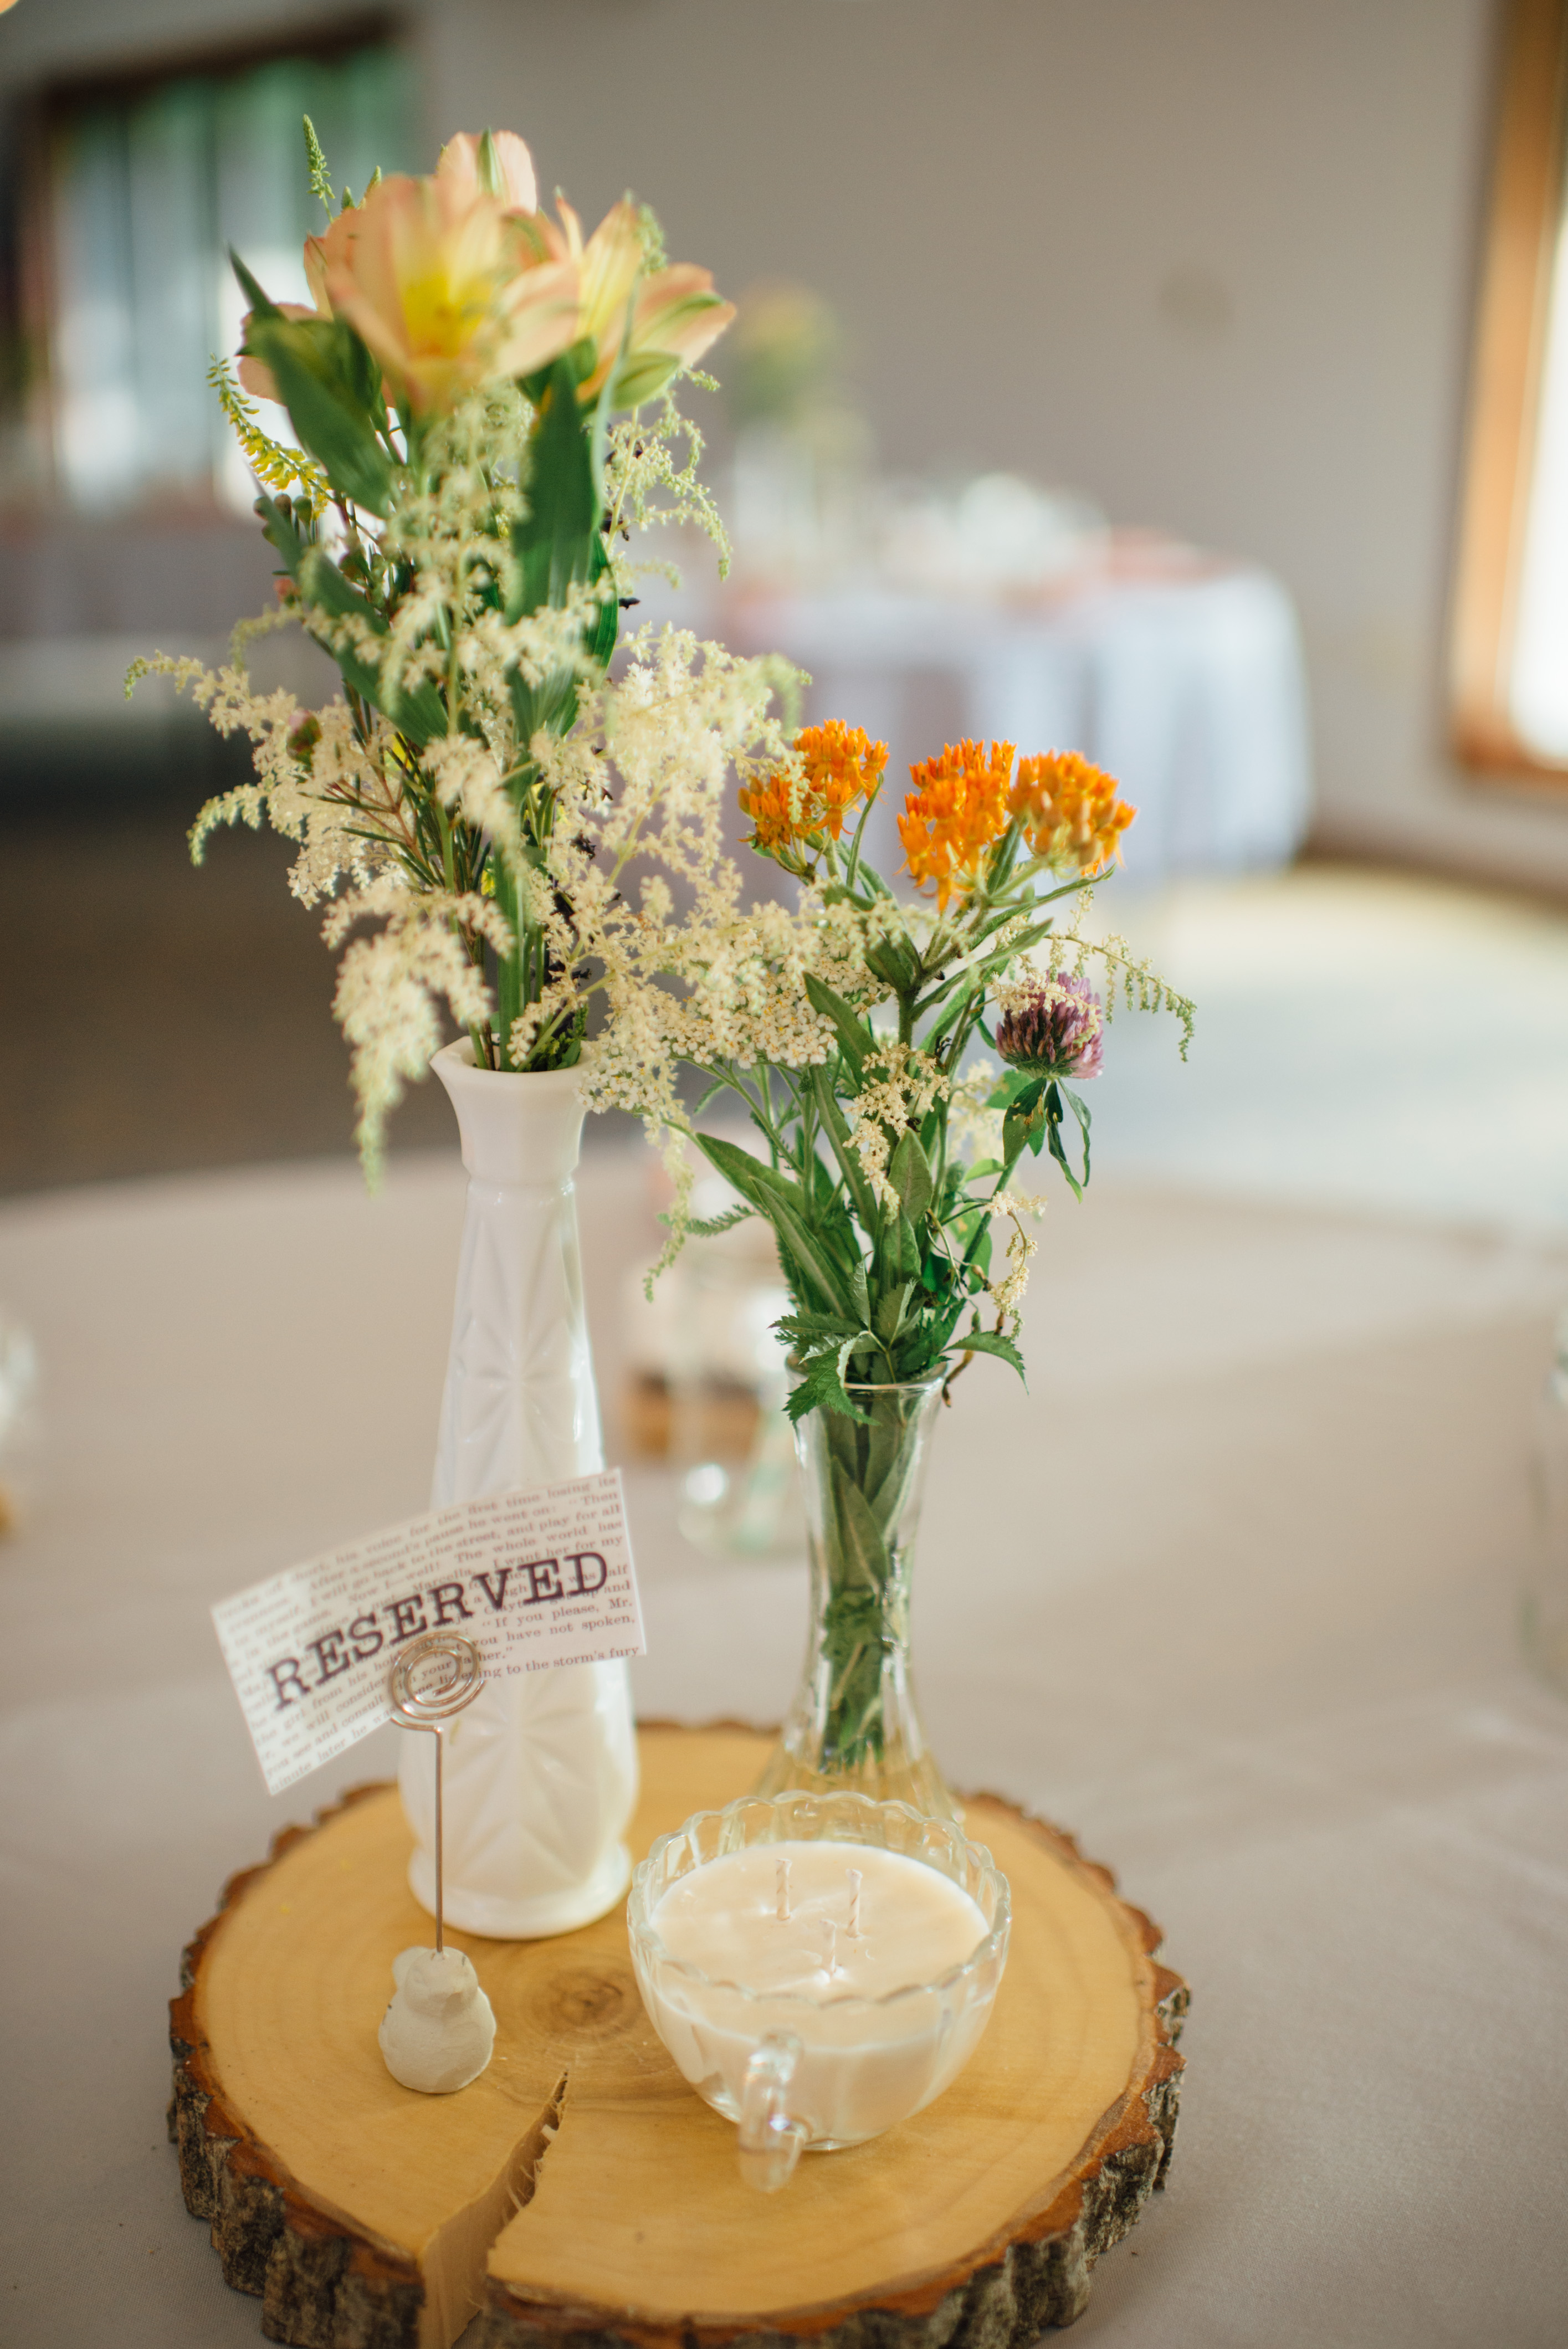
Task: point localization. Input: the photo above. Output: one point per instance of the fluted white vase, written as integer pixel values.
(540, 1771)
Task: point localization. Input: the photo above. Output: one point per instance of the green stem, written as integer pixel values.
(509, 969)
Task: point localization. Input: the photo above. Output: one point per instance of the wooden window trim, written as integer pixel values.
(39, 117)
(150, 67)
(1518, 257)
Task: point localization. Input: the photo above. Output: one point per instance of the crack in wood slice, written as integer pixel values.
(580, 2189)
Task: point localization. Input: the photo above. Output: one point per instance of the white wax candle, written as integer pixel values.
(912, 1923)
(770, 1928)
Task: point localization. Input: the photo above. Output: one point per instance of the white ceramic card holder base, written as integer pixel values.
(541, 1770)
(438, 2033)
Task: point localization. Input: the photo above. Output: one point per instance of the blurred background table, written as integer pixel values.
(1180, 674)
(1229, 1593)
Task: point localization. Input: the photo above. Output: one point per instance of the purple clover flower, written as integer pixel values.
(1054, 1028)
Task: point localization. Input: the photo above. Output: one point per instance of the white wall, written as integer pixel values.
(1211, 260)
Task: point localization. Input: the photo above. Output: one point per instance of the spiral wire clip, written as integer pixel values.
(429, 1701)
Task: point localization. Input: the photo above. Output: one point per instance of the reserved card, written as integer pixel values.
(533, 1579)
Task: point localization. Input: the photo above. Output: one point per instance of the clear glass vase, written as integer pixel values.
(854, 1723)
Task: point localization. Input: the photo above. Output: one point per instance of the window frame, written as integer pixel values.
(1524, 216)
(39, 118)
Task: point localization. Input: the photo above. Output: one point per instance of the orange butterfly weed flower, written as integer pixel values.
(777, 815)
(1069, 811)
(840, 765)
(956, 809)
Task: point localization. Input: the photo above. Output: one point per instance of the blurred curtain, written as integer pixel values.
(149, 195)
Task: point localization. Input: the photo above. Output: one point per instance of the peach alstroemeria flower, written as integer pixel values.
(677, 316)
(439, 284)
(459, 160)
(608, 265)
(674, 314)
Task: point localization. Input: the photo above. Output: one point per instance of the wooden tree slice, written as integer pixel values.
(579, 2186)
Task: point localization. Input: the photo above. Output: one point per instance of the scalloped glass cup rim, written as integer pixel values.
(991, 1889)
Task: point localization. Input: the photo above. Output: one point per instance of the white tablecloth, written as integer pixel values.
(1229, 1592)
(1188, 687)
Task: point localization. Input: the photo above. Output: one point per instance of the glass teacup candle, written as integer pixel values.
(819, 1966)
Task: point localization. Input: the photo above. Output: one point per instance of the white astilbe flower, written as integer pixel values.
(1007, 1294)
(388, 986)
(467, 777)
(644, 483)
(890, 1104)
(971, 1121)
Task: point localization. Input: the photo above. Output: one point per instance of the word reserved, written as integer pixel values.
(534, 1580)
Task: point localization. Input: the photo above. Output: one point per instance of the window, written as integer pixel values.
(148, 188)
(1509, 652)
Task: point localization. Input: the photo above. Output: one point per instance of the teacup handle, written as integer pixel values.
(770, 2139)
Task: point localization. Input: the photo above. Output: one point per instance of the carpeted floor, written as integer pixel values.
(156, 1018)
(1364, 1040)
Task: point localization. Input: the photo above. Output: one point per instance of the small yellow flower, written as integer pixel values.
(955, 810)
(1069, 811)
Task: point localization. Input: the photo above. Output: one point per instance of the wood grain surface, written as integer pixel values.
(579, 2186)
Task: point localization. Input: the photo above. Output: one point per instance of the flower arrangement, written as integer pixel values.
(889, 1150)
(482, 409)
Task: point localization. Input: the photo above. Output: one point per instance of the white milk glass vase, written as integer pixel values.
(541, 1770)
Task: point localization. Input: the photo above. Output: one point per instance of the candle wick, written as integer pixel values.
(855, 1904)
(831, 1932)
(781, 1880)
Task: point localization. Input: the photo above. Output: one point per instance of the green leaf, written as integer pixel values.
(890, 1312)
(556, 543)
(864, 1550)
(991, 1341)
(326, 382)
(1025, 1120)
(1053, 1106)
(821, 1388)
(844, 1150)
(260, 301)
(854, 1039)
(708, 1227)
(1080, 1110)
(895, 963)
(909, 1172)
(908, 1248)
(418, 715)
(781, 1202)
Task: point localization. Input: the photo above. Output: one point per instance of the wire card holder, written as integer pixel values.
(438, 2031)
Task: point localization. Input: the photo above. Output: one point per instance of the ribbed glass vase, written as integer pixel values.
(854, 1722)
